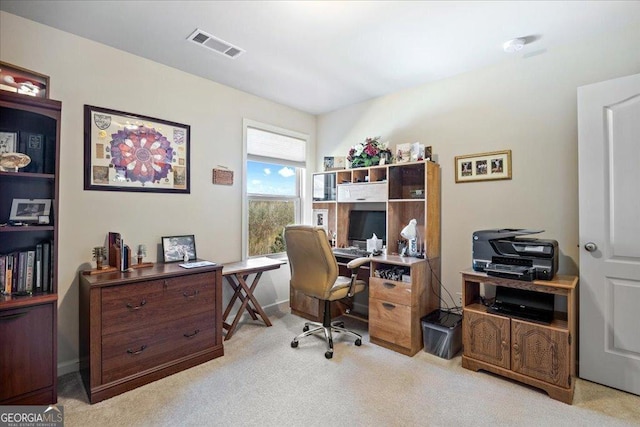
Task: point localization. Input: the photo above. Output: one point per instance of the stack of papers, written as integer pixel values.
(196, 264)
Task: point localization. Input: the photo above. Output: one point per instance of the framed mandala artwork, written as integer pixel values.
(130, 152)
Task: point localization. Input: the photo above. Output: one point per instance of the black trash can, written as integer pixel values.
(442, 333)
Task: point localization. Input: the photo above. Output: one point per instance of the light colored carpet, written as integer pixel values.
(262, 381)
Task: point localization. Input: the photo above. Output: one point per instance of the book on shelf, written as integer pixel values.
(28, 285)
(22, 271)
(46, 266)
(32, 144)
(3, 272)
(37, 274)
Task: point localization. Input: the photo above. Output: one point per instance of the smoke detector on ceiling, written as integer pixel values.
(217, 45)
(514, 45)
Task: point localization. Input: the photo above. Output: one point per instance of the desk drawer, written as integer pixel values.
(139, 305)
(135, 351)
(390, 290)
(390, 322)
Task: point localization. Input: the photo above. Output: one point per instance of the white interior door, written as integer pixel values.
(609, 173)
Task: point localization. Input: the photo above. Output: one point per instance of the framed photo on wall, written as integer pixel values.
(483, 167)
(130, 152)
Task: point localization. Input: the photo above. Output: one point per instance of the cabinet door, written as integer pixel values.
(486, 337)
(26, 352)
(540, 352)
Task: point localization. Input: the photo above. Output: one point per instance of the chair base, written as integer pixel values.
(327, 328)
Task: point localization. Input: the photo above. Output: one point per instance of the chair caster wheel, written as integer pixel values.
(294, 344)
(358, 342)
(305, 329)
(328, 354)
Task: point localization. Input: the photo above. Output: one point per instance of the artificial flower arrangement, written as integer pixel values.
(369, 153)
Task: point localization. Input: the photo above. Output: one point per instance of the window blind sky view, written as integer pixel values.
(270, 179)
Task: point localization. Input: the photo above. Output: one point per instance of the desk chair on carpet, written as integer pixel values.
(314, 272)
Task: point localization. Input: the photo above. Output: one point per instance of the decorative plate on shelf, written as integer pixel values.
(11, 162)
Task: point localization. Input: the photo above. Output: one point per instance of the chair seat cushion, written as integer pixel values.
(340, 288)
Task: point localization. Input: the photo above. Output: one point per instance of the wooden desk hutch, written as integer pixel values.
(405, 191)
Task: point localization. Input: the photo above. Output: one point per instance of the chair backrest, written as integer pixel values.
(314, 269)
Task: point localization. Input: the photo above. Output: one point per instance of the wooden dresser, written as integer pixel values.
(140, 326)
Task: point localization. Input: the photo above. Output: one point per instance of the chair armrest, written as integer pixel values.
(354, 265)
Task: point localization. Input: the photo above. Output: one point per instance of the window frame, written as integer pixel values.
(298, 199)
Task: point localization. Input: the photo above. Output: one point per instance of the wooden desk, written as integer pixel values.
(236, 274)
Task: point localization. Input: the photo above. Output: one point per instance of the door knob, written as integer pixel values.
(590, 246)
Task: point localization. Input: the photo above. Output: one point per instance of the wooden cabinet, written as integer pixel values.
(28, 328)
(396, 307)
(541, 355)
(139, 326)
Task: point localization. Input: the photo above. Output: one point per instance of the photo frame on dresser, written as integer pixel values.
(175, 247)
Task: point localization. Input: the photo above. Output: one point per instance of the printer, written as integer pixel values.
(505, 253)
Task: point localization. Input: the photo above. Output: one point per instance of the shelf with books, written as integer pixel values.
(35, 126)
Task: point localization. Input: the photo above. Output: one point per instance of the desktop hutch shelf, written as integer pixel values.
(404, 191)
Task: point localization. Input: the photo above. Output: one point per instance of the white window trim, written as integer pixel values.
(246, 123)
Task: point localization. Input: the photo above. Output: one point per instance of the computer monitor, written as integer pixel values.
(363, 224)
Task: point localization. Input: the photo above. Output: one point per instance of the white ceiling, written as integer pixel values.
(318, 56)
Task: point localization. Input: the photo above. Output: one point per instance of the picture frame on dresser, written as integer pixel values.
(174, 248)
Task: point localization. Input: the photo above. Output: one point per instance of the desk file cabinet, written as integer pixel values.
(139, 326)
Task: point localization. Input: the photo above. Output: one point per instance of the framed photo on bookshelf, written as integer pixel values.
(174, 248)
(29, 210)
(20, 80)
(131, 152)
(8, 142)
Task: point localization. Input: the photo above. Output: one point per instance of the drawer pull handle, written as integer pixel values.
(137, 307)
(196, 332)
(190, 295)
(134, 352)
(13, 316)
(388, 306)
(389, 285)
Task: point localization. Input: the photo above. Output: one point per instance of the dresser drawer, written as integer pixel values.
(127, 353)
(390, 290)
(390, 322)
(138, 305)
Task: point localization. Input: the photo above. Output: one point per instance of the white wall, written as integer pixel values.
(84, 72)
(525, 105)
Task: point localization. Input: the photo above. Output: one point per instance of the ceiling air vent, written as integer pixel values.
(215, 44)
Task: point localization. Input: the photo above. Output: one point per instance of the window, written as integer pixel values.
(274, 170)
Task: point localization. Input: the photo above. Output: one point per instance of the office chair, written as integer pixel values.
(314, 272)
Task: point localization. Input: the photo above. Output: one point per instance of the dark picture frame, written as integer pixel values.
(131, 152)
(21, 80)
(173, 248)
(489, 166)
